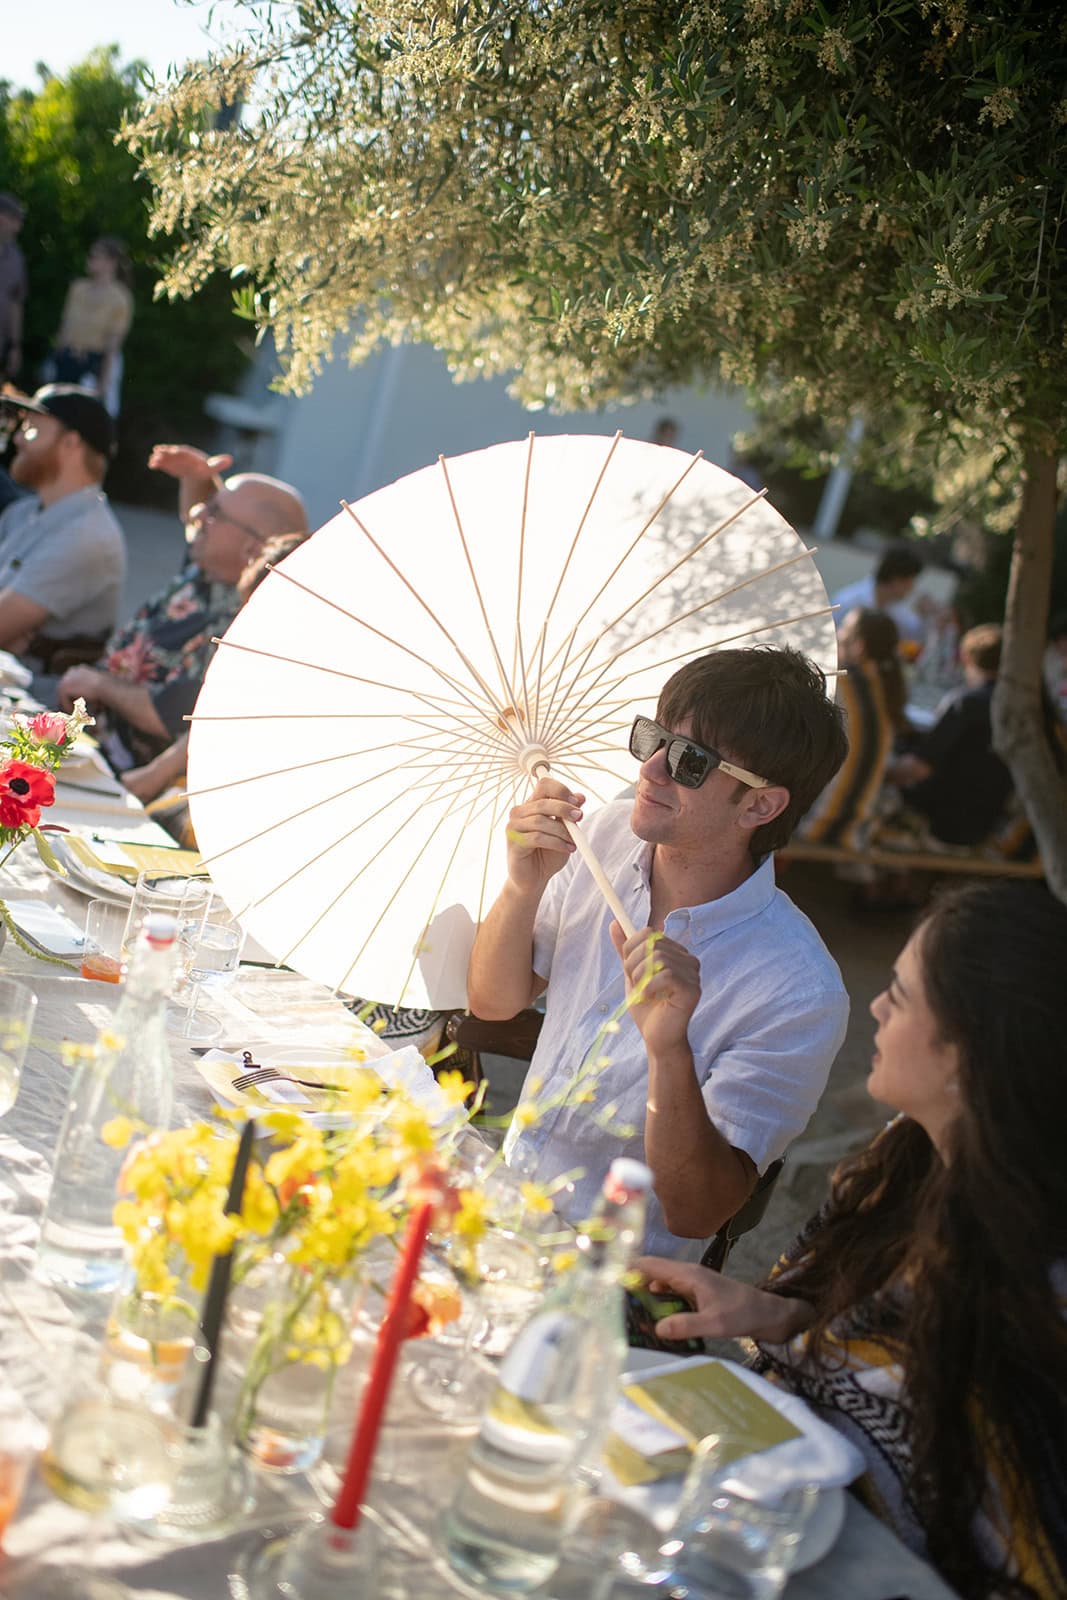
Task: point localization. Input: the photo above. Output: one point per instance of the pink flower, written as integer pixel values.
(48, 727)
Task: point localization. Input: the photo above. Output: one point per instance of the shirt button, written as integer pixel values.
(603, 1010)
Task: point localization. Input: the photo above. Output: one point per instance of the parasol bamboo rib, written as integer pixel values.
(451, 717)
(568, 641)
(520, 655)
(586, 650)
(636, 644)
(582, 520)
(686, 655)
(415, 595)
(295, 816)
(472, 814)
(343, 611)
(509, 692)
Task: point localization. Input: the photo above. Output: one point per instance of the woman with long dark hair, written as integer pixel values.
(922, 1310)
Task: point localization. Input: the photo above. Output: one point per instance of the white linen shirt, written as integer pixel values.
(770, 1020)
(861, 596)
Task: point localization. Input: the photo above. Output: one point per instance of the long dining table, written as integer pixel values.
(51, 1549)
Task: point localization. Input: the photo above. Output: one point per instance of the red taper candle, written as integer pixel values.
(345, 1512)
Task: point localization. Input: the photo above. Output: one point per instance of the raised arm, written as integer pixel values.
(700, 1179)
(198, 474)
(501, 980)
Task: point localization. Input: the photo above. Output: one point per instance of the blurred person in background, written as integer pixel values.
(888, 588)
(62, 551)
(871, 694)
(96, 319)
(14, 286)
(152, 669)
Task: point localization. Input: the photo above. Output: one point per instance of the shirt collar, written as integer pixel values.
(90, 492)
(704, 922)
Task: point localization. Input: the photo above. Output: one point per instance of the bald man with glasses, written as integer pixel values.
(730, 1008)
(151, 672)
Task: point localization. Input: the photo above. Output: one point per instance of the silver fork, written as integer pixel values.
(257, 1075)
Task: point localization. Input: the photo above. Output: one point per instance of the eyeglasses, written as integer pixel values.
(688, 763)
(211, 511)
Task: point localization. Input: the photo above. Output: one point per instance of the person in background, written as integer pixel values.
(153, 667)
(666, 432)
(14, 287)
(96, 319)
(168, 768)
(921, 1312)
(954, 779)
(871, 694)
(730, 1008)
(887, 588)
(62, 551)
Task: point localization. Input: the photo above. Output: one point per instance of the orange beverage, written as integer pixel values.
(13, 1470)
(107, 969)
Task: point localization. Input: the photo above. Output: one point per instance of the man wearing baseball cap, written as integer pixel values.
(62, 552)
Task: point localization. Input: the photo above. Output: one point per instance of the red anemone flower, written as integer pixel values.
(24, 789)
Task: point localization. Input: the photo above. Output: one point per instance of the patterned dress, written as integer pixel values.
(857, 1386)
(166, 647)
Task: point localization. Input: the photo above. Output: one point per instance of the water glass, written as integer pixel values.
(105, 927)
(184, 899)
(317, 1560)
(18, 1003)
(211, 955)
(104, 1455)
(210, 1486)
(726, 1542)
(148, 1346)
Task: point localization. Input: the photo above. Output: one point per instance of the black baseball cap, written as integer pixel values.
(75, 408)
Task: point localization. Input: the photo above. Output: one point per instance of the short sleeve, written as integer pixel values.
(762, 1090)
(547, 921)
(66, 580)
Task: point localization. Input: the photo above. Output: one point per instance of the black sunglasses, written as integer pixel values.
(688, 763)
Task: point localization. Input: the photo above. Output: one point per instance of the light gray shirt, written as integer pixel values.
(770, 1020)
(69, 556)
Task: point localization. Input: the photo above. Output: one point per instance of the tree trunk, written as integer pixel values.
(1019, 735)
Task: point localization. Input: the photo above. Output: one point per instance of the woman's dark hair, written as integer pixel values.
(881, 645)
(767, 709)
(974, 1240)
(116, 249)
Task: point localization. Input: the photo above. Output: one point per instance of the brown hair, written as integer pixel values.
(981, 646)
(767, 709)
(881, 645)
(976, 1240)
(116, 249)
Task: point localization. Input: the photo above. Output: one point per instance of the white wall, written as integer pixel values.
(363, 427)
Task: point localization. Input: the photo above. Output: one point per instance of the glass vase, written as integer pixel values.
(302, 1341)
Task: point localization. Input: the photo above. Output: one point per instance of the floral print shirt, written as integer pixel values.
(167, 646)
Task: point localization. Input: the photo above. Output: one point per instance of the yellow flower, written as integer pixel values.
(564, 1261)
(455, 1088)
(535, 1199)
(471, 1219)
(118, 1132)
(526, 1114)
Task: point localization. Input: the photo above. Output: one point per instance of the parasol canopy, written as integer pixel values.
(394, 686)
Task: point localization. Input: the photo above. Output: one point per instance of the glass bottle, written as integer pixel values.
(550, 1410)
(128, 1075)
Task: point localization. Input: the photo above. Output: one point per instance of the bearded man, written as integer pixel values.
(62, 552)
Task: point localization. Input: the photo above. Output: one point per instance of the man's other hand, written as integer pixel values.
(83, 681)
(183, 461)
(662, 985)
(538, 841)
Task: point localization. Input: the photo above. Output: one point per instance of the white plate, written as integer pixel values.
(86, 880)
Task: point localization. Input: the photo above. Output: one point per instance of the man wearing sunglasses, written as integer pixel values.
(730, 1008)
(153, 667)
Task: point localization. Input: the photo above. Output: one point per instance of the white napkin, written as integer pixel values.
(13, 673)
(402, 1069)
(48, 925)
(820, 1455)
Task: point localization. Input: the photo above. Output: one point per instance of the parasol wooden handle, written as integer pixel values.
(536, 763)
(603, 882)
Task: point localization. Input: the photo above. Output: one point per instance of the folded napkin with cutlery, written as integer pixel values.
(404, 1068)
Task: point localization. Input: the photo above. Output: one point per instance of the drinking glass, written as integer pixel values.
(184, 899)
(210, 1485)
(105, 1455)
(316, 1560)
(105, 927)
(725, 1542)
(212, 954)
(18, 1003)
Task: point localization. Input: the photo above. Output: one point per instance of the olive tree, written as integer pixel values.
(860, 204)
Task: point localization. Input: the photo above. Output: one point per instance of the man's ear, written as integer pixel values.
(761, 806)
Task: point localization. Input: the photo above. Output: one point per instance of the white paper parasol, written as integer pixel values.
(378, 705)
